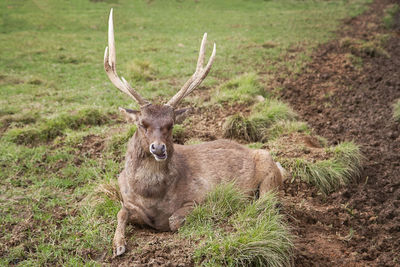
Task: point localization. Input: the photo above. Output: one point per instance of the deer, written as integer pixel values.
(162, 182)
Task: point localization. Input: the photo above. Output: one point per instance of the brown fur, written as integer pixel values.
(161, 193)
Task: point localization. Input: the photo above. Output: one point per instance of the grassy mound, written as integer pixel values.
(271, 110)
(343, 166)
(51, 128)
(239, 127)
(235, 231)
(269, 119)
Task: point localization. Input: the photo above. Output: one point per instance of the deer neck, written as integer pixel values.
(147, 176)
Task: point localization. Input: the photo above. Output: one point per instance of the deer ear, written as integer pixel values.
(130, 114)
(181, 114)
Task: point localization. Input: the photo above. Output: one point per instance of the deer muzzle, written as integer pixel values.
(159, 151)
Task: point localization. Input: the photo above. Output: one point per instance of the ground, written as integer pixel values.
(343, 103)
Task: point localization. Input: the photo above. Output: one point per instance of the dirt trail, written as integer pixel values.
(359, 225)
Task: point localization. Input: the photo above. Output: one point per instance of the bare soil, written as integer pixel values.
(358, 225)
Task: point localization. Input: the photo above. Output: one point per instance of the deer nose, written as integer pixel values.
(158, 149)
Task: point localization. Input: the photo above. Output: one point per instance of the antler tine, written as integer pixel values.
(202, 51)
(198, 76)
(110, 66)
(204, 74)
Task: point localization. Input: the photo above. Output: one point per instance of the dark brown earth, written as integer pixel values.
(342, 100)
(360, 224)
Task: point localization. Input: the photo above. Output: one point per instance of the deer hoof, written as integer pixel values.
(175, 222)
(119, 251)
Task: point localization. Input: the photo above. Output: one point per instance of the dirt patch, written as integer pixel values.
(91, 146)
(148, 247)
(359, 225)
(206, 122)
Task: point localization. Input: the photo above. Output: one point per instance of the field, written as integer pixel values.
(314, 82)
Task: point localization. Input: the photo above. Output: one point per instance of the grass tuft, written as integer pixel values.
(344, 166)
(242, 90)
(235, 231)
(269, 111)
(239, 127)
(51, 128)
(396, 110)
(390, 14)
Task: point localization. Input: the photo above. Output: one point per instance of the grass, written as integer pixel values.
(285, 127)
(390, 14)
(396, 110)
(341, 168)
(236, 231)
(267, 112)
(241, 90)
(371, 48)
(239, 127)
(178, 133)
(269, 119)
(51, 71)
(51, 128)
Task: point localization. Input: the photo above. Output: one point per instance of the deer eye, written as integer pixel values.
(143, 125)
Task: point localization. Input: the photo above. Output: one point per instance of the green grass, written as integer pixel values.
(341, 168)
(396, 110)
(390, 14)
(178, 133)
(241, 90)
(52, 72)
(51, 128)
(285, 127)
(268, 120)
(267, 112)
(236, 231)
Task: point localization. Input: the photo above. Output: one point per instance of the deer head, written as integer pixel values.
(154, 121)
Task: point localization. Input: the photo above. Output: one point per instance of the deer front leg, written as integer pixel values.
(119, 242)
(177, 219)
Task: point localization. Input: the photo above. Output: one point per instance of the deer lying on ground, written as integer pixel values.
(162, 181)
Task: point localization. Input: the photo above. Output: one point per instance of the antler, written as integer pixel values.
(198, 76)
(109, 66)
